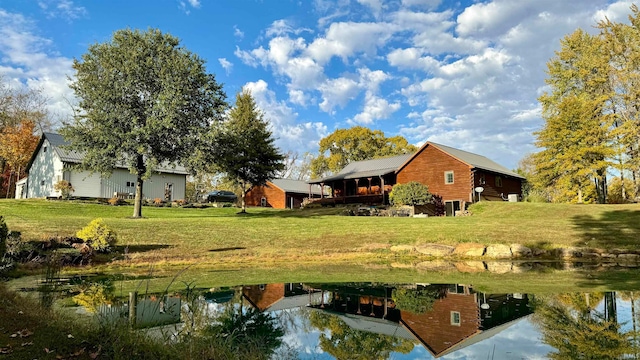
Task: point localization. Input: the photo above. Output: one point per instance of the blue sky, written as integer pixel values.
(465, 74)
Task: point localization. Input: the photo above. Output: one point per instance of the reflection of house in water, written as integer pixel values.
(459, 318)
(273, 297)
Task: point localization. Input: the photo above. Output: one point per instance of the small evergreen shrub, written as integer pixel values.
(98, 235)
(412, 193)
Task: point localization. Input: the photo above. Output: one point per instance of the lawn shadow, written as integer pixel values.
(141, 248)
(297, 213)
(227, 249)
(613, 229)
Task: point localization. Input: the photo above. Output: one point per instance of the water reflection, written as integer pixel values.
(403, 321)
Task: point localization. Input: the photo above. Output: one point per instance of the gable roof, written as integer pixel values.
(295, 186)
(58, 142)
(474, 160)
(368, 168)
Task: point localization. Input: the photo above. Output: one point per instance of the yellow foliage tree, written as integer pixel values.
(17, 143)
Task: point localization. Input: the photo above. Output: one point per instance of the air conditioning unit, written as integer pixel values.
(513, 197)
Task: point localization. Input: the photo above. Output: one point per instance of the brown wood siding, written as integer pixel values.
(428, 167)
(434, 328)
(275, 197)
(264, 296)
(492, 191)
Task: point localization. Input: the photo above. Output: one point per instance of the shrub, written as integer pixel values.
(98, 235)
(412, 193)
(4, 233)
(158, 202)
(64, 187)
(115, 201)
(438, 204)
(537, 196)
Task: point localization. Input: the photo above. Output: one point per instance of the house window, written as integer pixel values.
(42, 183)
(448, 177)
(482, 180)
(44, 149)
(455, 318)
(129, 183)
(498, 181)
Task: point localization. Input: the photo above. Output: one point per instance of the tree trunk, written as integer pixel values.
(9, 184)
(244, 193)
(137, 205)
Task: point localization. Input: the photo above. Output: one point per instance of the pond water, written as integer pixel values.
(385, 321)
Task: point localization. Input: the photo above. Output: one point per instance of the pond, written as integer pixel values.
(365, 320)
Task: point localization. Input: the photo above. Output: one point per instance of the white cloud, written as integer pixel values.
(346, 39)
(374, 5)
(62, 9)
(194, 3)
(226, 65)
(428, 4)
(187, 5)
(338, 92)
(283, 27)
(288, 131)
(27, 59)
(237, 32)
(375, 108)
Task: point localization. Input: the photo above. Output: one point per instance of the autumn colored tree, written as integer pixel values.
(144, 101)
(17, 144)
(355, 144)
(245, 149)
(576, 137)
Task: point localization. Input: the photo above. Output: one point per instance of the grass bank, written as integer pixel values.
(220, 238)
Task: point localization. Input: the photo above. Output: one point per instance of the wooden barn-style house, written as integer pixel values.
(451, 173)
(52, 162)
(282, 194)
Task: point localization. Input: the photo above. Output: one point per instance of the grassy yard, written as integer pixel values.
(219, 238)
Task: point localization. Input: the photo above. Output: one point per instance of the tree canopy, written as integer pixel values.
(355, 144)
(592, 119)
(245, 149)
(144, 100)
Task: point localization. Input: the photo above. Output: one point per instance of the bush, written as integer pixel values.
(115, 201)
(4, 233)
(438, 205)
(412, 193)
(64, 187)
(98, 235)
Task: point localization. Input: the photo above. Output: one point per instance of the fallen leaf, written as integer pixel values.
(25, 333)
(94, 355)
(6, 350)
(70, 336)
(79, 352)
(14, 335)
(27, 343)
(48, 351)
(20, 312)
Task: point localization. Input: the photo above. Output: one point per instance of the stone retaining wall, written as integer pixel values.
(517, 251)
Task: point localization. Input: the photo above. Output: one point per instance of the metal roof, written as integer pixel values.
(296, 186)
(368, 168)
(58, 143)
(476, 161)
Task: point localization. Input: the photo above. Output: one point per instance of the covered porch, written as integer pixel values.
(372, 190)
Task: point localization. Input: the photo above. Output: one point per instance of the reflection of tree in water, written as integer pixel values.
(418, 300)
(571, 324)
(248, 330)
(347, 343)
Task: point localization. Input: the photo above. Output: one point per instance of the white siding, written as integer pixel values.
(45, 171)
(155, 186)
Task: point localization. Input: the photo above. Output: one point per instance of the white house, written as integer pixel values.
(51, 162)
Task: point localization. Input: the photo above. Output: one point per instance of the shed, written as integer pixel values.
(282, 194)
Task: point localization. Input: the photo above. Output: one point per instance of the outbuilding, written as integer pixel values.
(282, 194)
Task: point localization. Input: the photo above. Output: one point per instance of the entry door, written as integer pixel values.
(168, 192)
(451, 207)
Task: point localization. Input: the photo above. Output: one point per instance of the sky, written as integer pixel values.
(466, 74)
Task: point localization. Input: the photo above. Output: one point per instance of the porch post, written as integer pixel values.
(382, 188)
(357, 185)
(309, 191)
(321, 190)
(344, 191)
(369, 187)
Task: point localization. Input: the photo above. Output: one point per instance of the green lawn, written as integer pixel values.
(219, 238)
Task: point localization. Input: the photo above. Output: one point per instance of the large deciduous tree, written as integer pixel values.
(17, 143)
(144, 100)
(245, 149)
(355, 144)
(576, 137)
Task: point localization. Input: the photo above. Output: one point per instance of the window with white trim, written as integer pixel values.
(448, 177)
(455, 318)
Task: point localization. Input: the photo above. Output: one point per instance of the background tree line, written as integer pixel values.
(592, 118)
